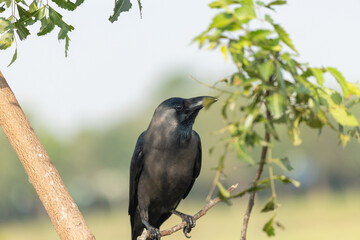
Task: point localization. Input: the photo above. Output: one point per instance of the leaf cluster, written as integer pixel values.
(271, 88)
(24, 15)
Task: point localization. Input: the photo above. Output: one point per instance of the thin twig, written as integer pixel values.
(219, 170)
(202, 212)
(212, 87)
(257, 177)
(213, 186)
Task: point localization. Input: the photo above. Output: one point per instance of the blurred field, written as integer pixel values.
(314, 216)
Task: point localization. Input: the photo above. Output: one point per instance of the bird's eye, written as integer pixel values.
(179, 108)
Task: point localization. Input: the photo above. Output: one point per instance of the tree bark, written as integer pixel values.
(61, 208)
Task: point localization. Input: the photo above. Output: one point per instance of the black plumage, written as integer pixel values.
(164, 166)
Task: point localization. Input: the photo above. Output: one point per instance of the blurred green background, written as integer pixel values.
(88, 110)
(94, 164)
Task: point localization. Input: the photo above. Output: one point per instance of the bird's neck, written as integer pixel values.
(169, 137)
(184, 133)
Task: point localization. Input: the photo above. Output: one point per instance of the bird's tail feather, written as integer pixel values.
(137, 226)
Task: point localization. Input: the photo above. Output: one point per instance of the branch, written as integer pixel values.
(212, 87)
(257, 177)
(145, 234)
(61, 208)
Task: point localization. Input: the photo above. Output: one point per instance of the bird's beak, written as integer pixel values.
(198, 103)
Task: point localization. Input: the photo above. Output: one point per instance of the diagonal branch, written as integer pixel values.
(198, 215)
(61, 208)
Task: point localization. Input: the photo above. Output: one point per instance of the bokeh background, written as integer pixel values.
(89, 108)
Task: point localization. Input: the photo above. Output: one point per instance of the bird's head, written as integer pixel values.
(180, 112)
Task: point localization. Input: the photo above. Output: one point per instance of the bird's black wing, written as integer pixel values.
(137, 162)
(197, 165)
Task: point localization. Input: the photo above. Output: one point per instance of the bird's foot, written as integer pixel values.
(154, 233)
(190, 223)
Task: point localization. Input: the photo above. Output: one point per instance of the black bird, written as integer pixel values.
(164, 165)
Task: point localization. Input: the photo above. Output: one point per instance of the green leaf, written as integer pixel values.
(266, 70)
(21, 30)
(62, 34)
(277, 2)
(336, 98)
(269, 227)
(344, 139)
(314, 122)
(323, 118)
(13, 58)
(259, 35)
(245, 13)
(56, 18)
(140, 7)
(23, 14)
(353, 89)
(46, 26)
(222, 20)
(7, 39)
(294, 132)
(249, 120)
(284, 36)
(223, 193)
(65, 4)
(279, 225)
(39, 14)
(318, 74)
(284, 163)
(120, 6)
(223, 3)
(33, 7)
(269, 19)
(342, 116)
(256, 188)
(224, 52)
(23, 2)
(286, 179)
(243, 153)
(216, 4)
(340, 79)
(276, 104)
(269, 127)
(269, 206)
(279, 76)
(79, 2)
(4, 25)
(260, 3)
(325, 96)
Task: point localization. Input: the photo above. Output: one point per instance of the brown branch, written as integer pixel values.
(257, 177)
(198, 215)
(61, 208)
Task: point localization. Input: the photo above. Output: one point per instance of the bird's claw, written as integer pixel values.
(154, 233)
(190, 223)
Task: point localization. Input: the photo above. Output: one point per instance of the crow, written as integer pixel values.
(165, 163)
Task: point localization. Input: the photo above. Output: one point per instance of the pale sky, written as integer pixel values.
(112, 68)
